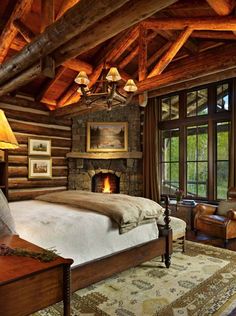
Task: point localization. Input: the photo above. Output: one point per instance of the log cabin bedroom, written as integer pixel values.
(117, 157)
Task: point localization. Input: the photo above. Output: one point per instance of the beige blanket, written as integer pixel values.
(127, 211)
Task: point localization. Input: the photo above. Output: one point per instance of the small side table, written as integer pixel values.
(28, 285)
(184, 212)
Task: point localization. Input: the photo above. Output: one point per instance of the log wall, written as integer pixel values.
(27, 119)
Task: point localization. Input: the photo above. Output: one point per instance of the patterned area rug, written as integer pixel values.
(200, 282)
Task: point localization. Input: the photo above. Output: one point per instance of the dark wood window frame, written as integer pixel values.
(212, 118)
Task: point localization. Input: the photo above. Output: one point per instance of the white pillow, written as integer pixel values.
(7, 225)
(225, 206)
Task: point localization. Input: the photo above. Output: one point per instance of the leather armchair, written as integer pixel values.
(210, 223)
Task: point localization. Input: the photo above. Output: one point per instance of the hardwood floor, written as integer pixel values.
(201, 238)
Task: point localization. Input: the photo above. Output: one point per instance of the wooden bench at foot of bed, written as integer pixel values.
(97, 270)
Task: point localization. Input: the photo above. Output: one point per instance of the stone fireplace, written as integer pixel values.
(86, 168)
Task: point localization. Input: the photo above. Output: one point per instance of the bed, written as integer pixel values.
(100, 251)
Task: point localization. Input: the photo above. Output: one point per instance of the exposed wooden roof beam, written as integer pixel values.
(61, 31)
(187, 69)
(78, 65)
(24, 30)
(66, 5)
(131, 13)
(171, 53)
(196, 23)
(170, 36)
(222, 7)
(47, 14)
(9, 32)
(134, 52)
(59, 72)
(158, 53)
(122, 45)
(213, 35)
(142, 63)
(75, 96)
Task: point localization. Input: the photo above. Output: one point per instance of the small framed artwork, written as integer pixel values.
(39, 147)
(107, 136)
(40, 168)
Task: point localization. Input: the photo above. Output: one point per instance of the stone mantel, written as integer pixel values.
(109, 155)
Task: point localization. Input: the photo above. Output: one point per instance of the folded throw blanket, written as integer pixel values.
(127, 211)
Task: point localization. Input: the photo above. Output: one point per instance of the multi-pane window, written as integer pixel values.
(222, 102)
(170, 108)
(197, 102)
(195, 129)
(197, 160)
(222, 158)
(170, 161)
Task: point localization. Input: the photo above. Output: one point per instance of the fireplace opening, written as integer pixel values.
(106, 183)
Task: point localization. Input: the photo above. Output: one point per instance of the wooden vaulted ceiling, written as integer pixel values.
(161, 44)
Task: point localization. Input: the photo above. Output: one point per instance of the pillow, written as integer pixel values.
(7, 225)
(225, 206)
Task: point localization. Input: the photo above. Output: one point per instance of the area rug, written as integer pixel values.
(201, 281)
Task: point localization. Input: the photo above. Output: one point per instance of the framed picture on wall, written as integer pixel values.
(107, 136)
(39, 147)
(40, 168)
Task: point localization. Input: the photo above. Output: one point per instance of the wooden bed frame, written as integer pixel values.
(97, 270)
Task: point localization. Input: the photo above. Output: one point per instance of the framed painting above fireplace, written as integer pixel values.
(107, 136)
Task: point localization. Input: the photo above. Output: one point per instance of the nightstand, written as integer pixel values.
(184, 212)
(28, 285)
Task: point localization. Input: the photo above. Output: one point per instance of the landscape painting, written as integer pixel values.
(107, 136)
(40, 168)
(39, 147)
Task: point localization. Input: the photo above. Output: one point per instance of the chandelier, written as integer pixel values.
(106, 89)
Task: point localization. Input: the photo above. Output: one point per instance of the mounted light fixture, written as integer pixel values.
(106, 89)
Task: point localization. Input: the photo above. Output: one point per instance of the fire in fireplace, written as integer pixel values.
(106, 183)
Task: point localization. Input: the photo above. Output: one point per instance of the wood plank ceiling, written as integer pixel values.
(161, 44)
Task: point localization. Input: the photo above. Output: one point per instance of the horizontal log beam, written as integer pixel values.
(61, 31)
(191, 68)
(214, 35)
(23, 161)
(18, 183)
(22, 79)
(130, 14)
(39, 129)
(23, 139)
(203, 80)
(196, 23)
(23, 150)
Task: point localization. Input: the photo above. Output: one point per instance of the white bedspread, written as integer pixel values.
(80, 235)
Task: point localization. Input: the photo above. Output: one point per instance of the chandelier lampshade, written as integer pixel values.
(130, 86)
(106, 89)
(7, 138)
(113, 75)
(82, 79)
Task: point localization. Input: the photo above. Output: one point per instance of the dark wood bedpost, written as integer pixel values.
(168, 232)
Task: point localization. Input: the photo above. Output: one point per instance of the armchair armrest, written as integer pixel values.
(205, 209)
(231, 214)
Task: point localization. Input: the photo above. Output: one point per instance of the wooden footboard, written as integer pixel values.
(97, 270)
